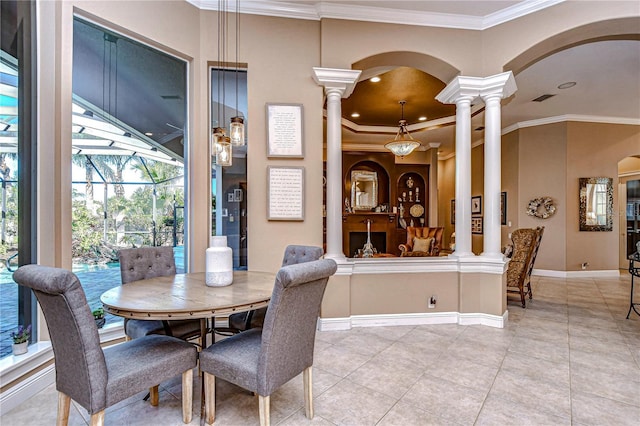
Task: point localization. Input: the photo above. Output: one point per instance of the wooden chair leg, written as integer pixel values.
(154, 397)
(307, 377)
(64, 402)
(97, 419)
(263, 407)
(209, 397)
(522, 299)
(187, 396)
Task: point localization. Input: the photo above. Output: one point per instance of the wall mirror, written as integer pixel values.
(364, 190)
(596, 204)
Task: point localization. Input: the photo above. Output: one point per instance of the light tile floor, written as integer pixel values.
(569, 358)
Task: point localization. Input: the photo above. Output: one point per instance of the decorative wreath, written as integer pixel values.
(541, 207)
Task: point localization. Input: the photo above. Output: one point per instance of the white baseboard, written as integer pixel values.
(27, 388)
(614, 273)
(484, 319)
(383, 320)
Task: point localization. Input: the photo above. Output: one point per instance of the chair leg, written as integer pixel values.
(153, 392)
(522, 299)
(307, 377)
(64, 402)
(210, 397)
(187, 396)
(97, 419)
(263, 407)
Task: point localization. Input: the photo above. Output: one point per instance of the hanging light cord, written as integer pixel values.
(237, 50)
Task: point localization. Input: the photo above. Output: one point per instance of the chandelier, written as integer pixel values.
(403, 144)
(223, 141)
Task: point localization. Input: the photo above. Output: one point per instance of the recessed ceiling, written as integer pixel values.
(378, 103)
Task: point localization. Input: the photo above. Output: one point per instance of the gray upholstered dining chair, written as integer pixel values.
(150, 262)
(262, 360)
(293, 254)
(93, 377)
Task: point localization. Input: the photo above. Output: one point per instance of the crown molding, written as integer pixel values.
(571, 117)
(326, 9)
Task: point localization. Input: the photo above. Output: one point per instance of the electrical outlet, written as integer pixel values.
(432, 301)
(584, 265)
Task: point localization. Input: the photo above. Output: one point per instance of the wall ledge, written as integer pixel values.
(412, 265)
(386, 320)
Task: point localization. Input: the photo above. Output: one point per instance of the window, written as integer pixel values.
(128, 141)
(17, 165)
(229, 183)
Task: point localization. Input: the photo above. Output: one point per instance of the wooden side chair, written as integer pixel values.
(526, 242)
(93, 377)
(262, 360)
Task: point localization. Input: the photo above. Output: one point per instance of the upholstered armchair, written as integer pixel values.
(150, 262)
(293, 255)
(95, 378)
(262, 360)
(422, 241)
(526, 242)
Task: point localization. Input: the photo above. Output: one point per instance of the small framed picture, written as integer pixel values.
(225, 212)
(237, 195)
(503, 208)
(230, 198)
(453, 212)
(476, 205)
(476, 225)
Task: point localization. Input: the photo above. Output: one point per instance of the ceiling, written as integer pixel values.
(606, 73)
(607, 76)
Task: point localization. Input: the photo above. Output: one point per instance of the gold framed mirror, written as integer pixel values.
(596, 204)
(364, 190)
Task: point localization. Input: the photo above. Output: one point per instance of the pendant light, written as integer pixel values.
(236, 128)
(222, 147)
(221, 141)
(403, 144)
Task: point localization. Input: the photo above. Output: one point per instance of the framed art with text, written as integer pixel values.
(284, 130)
(285, 193)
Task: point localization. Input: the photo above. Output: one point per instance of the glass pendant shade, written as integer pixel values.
(237, 131)
(222, 147)
(403, 144)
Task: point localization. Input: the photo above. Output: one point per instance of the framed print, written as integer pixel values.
(237, 195)
(503, 208)
(225, 213)
(284, 130)
(476, 225)
(285, 192)
(453, 212)
(230, 197)
(476, 205)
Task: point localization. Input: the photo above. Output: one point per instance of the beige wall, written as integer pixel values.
(380, 293)
(606, 144)
(280, 54)
(542, 173)
(282, 75)
(510, 182)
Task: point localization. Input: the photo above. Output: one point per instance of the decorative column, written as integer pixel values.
(433, 184)
(494, 89)
(462, 91)
(338, 84)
